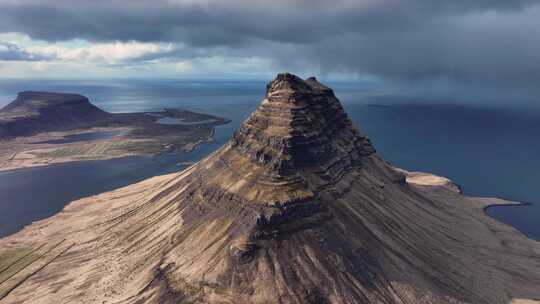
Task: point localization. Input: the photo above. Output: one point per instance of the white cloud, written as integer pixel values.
(107, 53)
(12, 52)
(15, 38)
(20, 47)
(81, 58)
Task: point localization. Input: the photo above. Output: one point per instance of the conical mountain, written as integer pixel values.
(296, 208)
(299, 139)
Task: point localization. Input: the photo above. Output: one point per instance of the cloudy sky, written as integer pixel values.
(488, 43)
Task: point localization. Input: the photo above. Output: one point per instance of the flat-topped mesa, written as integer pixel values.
(301, 125)
(32, 102)
(35, 112)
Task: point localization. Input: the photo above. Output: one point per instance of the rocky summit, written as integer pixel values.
(296, 208)
(299, 129)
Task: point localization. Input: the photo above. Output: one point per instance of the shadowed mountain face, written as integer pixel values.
(296, 208)
(34, 112)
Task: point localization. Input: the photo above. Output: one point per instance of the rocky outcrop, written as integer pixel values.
(296, 208)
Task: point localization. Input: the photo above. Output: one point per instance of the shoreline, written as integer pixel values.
(187, 148)
(109, 136)
(514, 204)
(34, 152)
(57, 209)
(509, 203)
(431, 180)
(51, 228)
(176, 158)
(74, 161)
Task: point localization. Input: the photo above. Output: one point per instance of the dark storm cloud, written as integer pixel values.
(487, 41)
(227, 22)
(12, 52)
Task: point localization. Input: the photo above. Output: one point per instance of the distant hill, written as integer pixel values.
(33, 112)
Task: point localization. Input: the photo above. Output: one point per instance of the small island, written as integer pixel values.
(42, 128)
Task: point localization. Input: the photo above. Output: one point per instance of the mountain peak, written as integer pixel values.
(286, 83)
(299, 128)
(300, 123)
(287, 87)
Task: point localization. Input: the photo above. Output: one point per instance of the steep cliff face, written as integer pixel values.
(34, 112)
(296, 208)
(300, 124)
(299, 131)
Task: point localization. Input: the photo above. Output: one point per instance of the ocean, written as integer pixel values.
(487, 150)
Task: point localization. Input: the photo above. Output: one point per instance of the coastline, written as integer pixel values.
(485, 203)
(31, 135)
(34, 163)
(421, 179)
(509, 204)
(34, 152)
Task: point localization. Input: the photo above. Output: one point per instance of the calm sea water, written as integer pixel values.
(488, 151)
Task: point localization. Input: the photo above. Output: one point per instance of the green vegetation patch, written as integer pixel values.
(8, 257)
(153, 145)
(12, 261)
(102, 149)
